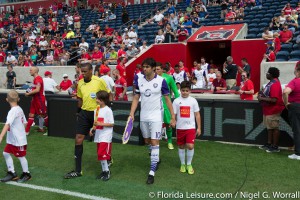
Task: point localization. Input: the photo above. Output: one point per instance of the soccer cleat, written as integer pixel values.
(265, 147)
(150, 179)
(170, 146)
(10, 176)
(110, 162)
(106, 176)
(100, 176)
(183, 168)
(41, 130)
(24, 177)
(273, 149)
(294, 157)
(190, 169)
(73, 174)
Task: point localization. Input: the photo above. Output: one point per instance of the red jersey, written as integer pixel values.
(109, 31)
(273, 90)
(277, 45)
(54, 26)
(38, 81)
(97, 55)
(2, 56)
(76, 18)
(230, 15)
(120, 84)
(86, 56)
(121, 53)
(64, 85)
(171, 71)
(59, 6)
(288, 11)
(247, 86)
(272, 57)
(102, 69)
(122, 70)
(75, 3)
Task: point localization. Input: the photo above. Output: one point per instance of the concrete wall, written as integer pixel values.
(23, 73)
(286, 71)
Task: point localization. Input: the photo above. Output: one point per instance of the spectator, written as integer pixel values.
(64, 57)
(70, 34)
(84, 44)
(49, 83)
(218, 83)
(49, 59)
(85, 57)
(245, 68)
(282, 18)
(11, 60)
(269, 44)
(292, 25)
(195, 20)
(272, 106)
(108, 80)
(267, 35)
(104, 67)
(157, 17)
(113, 56)
(120, 87)
(132, 36)
(173, 21)
(2, 57)
(111, 16)
(108, 31)
(230, 16)
(21, 59)
(294, 16)
(276, 41)
(43, 45)
(121, 67)
(117, 39)
(169, 34)
(78, 34)
(240, 14)
(182, 34)
(230, 69)
(131, 51)
(247, 88)
(210, 77)
(121, 52)
(188, 25)
(271, 55)
(285, 35)
(10, 78)
(171, 9)
(66, 83)
(159, 37)
(91, 27)
(125, 16)
(97, 57)
(224, 5)
(287, 9)
(275, 25)
(144, 47)
(203, 14)
(40, 59)
(189, 9)
(77, 19)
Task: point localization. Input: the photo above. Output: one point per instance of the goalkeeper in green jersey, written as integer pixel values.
(167, 116)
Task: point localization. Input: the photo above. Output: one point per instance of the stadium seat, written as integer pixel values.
(282, 55)
(296, 47)
(295, 54)
(294, 59)
(287, 47)
(251, 36)
(280, 60)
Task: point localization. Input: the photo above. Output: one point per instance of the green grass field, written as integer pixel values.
(219, 168)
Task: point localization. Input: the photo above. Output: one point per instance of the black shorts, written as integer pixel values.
(85, 121)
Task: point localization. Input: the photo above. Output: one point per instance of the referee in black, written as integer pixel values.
(86, 95)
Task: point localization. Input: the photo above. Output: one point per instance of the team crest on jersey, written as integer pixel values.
(93, 95)
(215, 35)
(148, 93)
(155, 85)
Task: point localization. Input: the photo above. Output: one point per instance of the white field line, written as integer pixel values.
(58, 191)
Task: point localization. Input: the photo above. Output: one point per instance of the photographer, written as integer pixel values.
(182, 34)
(169, 34)
(230, 70)
(10, 78)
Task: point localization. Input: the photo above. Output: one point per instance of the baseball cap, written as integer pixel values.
(269, 42)
(9, 52)
(65, 75)
(42, 37)
(125, 29)
(47, 73)
(105, 70)
(129, 45)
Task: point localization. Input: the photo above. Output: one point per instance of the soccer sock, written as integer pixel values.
(41, 122)
(169, 134)
(24, 164)
(104, 165)
(150, 149)
(46, 121)
(189, 156)
(181, 153)
(78, 157)
(9, 162)
(29, 123)
(154, 159)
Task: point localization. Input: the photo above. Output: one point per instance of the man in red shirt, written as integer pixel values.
(287, 9)
(272, 104)
(291, 98)
(271, 55)
(97, 56)
(66, 83)
(76, 19)
(247, 87)
(85, 57)
(121, 67)
(121, 87)
(218, 83)
(230, 16)
(104, 67)
(182, 34)
(38, 102)
(108, 31)
(285, 35)
(2, 57)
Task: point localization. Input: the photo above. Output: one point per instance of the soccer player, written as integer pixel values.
(103, 133)
(151, 88)
(167, 115)
(120, 85)
(178, 75)
(38, 102)
(16, 139)
(186, 109)
(86, 95)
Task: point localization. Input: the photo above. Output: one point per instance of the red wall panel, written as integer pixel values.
(253, 50)
(172, 53)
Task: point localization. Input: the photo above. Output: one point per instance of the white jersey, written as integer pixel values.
(179, 77)
(184, 109)
(109, 82)
(104, 134)
(205, 67)
(210, 77)
(151, 97)
(49, 84)
(200, 75)
(16, 134)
